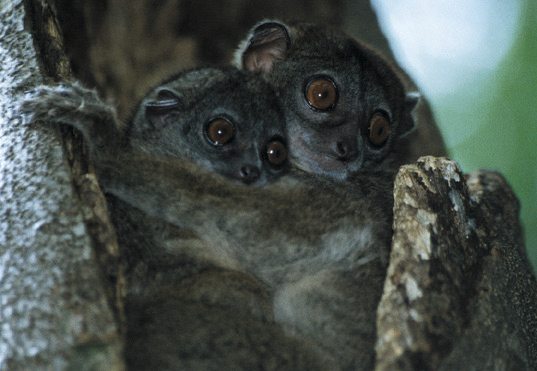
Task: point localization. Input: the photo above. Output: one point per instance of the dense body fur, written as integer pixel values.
(282, 272)
(335, 140)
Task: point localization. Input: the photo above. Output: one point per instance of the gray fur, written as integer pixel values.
(285, 275)
(289, 55)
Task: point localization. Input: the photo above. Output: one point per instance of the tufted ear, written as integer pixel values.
(159, 110)
(266, 45)
(408, 124)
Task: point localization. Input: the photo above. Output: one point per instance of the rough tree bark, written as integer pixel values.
(460, 293)
(55, 311)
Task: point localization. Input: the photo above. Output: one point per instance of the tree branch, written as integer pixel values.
(460, 293)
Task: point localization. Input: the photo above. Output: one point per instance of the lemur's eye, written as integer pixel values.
(219, 132)
(379, 129)
(276, 152)
(321, 93)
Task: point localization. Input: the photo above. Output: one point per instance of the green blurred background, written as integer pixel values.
(488, 113)
(507, 104)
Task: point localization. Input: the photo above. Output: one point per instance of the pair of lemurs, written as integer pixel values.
(253, 204)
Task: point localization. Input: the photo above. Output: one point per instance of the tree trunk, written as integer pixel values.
(460, 292)
(55, 311)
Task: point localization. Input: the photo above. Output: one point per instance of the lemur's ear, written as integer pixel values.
(158, 111)
(266, 45)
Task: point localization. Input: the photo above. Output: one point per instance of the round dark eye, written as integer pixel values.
(379, 129)
(219, 132)
(321, 93)
(276, 152)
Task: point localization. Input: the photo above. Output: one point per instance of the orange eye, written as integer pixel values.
(276, 152)
(219, 132)
(321, 94)
(379, 129)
